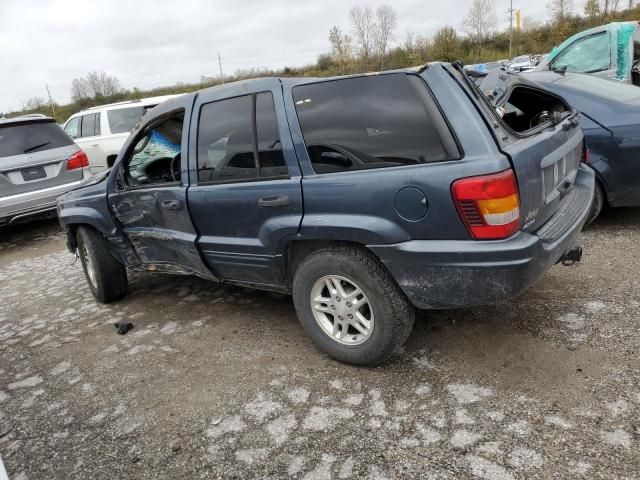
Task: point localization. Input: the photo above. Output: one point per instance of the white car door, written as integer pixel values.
(90, 141)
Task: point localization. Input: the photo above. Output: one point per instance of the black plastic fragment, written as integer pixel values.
(123, 327)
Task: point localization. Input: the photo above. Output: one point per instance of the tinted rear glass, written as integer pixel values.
(33, 137)
(122, 120)
(367, 122)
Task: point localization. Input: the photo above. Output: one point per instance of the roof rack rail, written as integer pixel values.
(137, 100)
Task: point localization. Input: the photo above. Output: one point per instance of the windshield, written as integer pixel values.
(31, 137)
(122, 120)
(614, 91)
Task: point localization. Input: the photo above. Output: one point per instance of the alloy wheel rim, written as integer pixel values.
(342, 310)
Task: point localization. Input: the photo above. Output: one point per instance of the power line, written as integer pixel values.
(220, 65)
(53, 110)
(510, 26)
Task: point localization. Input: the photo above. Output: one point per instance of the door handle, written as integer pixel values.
(278, 201)
(171, 204)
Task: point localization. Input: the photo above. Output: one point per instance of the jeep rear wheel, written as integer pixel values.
(598, 203)
(106, 277)
(350, 306)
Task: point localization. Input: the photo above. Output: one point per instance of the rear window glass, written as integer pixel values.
(33, 137)
(122, 120)
(369, 122)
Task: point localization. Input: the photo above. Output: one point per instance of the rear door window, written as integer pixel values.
(32, 137)
(371, 122)
(122, 120)
(89, 124)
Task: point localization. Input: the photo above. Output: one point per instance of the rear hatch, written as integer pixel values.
(539, 132)
(33, 156)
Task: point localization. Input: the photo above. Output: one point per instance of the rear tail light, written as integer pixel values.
(77, 160)
(489, 205)
(586, 156)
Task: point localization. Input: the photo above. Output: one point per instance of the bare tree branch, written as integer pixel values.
(480, 22)
(386, 21)
(363, 26)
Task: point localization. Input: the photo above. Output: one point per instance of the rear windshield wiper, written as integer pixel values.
(35, 147)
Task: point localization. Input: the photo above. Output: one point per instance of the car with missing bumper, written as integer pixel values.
(365, 197)
(38, 162)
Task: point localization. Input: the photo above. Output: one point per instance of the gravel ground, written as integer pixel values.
(220, 382)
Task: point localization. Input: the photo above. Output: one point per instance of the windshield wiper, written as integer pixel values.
(35, 147)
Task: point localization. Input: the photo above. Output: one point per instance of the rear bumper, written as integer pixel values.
(17, 207)
(447, 274)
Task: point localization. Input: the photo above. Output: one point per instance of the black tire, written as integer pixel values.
(110, 275)
(394, 314)
(598, 203)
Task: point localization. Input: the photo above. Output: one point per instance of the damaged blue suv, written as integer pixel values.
(365, 197)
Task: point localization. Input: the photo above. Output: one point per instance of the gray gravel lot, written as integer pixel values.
(221, 382)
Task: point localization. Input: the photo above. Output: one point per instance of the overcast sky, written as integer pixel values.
(150, 43)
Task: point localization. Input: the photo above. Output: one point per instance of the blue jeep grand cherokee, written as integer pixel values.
(364, 196)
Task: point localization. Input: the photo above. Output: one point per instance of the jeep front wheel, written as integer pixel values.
(106, 277)
(350, 306)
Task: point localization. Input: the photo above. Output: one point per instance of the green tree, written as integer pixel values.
(445, 45)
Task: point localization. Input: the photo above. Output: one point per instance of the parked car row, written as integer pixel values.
(39, 160)
(101, 131)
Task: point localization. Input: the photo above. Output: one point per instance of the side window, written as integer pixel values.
(89, 124)
(586, 55)
(155, 158)
(371, 122)
(73, 127)
(122, 120)
(227, 149)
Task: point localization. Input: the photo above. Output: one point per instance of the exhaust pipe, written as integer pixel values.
(572, 256)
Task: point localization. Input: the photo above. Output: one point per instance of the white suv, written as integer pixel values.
(101, 131)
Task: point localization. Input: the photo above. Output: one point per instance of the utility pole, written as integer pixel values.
(53, 110)
(510, 28)
(220, 65)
